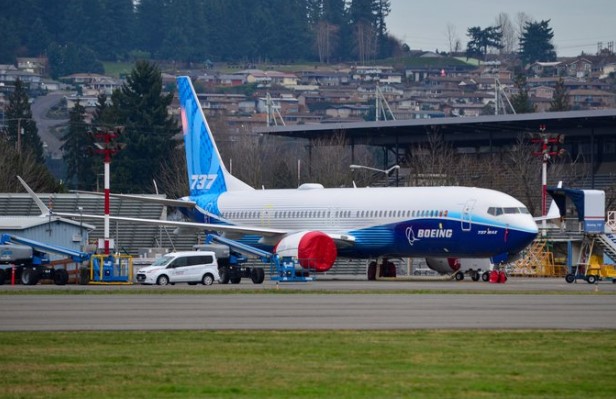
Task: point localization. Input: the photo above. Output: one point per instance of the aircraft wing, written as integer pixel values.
(242, 230)
(162, 201)
(271, 236)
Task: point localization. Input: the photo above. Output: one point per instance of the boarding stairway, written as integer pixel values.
(607, 242)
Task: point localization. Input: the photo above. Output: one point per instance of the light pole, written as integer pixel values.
(549, 146)
(105, 146)
(385, 171)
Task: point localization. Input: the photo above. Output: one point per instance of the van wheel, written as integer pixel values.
(162, 280)
(208, 279)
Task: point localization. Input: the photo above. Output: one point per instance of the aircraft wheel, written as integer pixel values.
(2, 276)
(485, 276)
(372, 271)
(570, 278)
(591, 279)
(60, 277)
(475, 276)
(459, 276)
(235, 280)
(162, 280)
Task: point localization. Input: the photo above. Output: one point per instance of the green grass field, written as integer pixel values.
(321, 364)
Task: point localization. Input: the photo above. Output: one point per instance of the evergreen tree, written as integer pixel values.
(482, 39)
(149, 131)
(536, 43)
(560, 100)
(19, 116)
(78, 146)
(69, 59)
(521, 101)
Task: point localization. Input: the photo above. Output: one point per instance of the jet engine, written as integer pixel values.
(444, 265)
(451, 265)
(314, 250)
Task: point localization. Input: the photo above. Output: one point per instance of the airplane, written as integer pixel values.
(317, 225)
(480, 267)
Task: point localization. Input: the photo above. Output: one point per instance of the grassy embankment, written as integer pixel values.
(333, 364)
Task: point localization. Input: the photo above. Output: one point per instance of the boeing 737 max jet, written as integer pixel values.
(317, 224)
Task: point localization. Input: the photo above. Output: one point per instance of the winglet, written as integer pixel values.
(44, 210)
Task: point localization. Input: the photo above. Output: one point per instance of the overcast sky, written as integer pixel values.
(577, 24)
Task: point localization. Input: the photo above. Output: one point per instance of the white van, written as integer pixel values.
(190, 267)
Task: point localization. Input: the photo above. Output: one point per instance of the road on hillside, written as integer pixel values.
(40, 107)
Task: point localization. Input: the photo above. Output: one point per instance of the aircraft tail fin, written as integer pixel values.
(206, 171)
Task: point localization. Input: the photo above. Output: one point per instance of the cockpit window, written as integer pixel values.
(497, 211)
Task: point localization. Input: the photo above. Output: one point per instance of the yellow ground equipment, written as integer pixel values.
(538, 262)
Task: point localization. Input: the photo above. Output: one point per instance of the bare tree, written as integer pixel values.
(433, 163)
(26, 165)
(173, 178)
(509, 38)
(521, 19)
(326, 40)
(452, 37)
(365, 41)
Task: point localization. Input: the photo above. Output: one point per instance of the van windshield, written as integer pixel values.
(162, 261)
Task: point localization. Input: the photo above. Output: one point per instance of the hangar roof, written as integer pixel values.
(599, 122)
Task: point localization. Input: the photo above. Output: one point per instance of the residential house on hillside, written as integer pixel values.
(363, 73)
(591, 99)
(268, 78)
(579, 68)
(324, 78)
(556, 68)
(37, 66)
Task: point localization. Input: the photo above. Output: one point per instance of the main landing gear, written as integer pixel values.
(384, 269)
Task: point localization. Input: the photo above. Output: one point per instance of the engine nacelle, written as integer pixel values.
(451, 265)
(314, 250)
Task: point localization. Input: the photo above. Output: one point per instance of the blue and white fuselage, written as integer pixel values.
(360, 222)
(402, 222)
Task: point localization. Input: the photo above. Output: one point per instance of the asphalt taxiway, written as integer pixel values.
(322, 304)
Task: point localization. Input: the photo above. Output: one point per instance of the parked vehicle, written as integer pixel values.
(190, 267)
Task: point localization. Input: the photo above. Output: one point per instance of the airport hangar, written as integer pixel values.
(591, 134)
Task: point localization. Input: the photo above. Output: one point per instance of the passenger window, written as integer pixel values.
(178, 262)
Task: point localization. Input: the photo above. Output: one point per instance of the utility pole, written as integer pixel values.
(19, 133)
